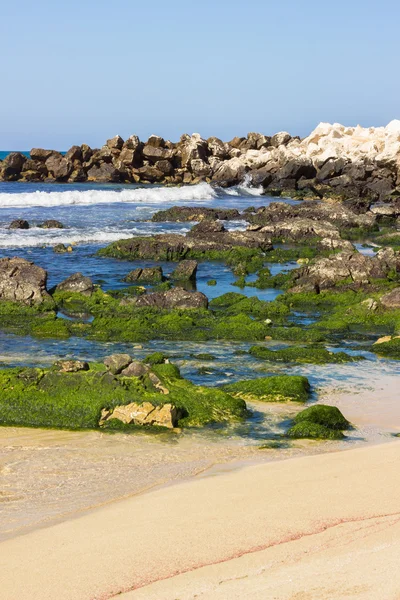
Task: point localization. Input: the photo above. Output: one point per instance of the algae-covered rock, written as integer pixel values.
(185, 271)
(142, 414)
(146, 275)
(300, 354)
(279, 388)
(321, 414)
(117, 362)
(85, 398)
(72, 366)
(76, 283)
(314, 431)
(389, 348)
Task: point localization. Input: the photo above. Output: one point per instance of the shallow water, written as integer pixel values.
(48, 474)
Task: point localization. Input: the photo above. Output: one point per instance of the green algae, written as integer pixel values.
(322, 414)
(313, 431)
(277, 388)
(389, 349)
(50, 398)
(300, 354)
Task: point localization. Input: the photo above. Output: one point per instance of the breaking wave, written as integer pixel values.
(150, 195)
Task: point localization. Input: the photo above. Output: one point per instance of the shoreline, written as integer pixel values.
(127, 544)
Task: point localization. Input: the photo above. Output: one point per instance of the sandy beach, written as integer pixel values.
(325, 526)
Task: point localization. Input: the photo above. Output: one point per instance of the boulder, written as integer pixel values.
(280, 139)
(345, 268)
(150, 173)
(181, 214)
(191, 148)
(60, 248)
(103, 173)
(19, 224)
(143, 414)
(23, 282)
(392, 299)
(146, 275)
(155, 153)
(52, 224)
(115, 143)
(40, 154)
(185, 271)
(230, 172)
(175, 298)
(59, 167)
(74, 153)
(72, 366)
(77, 283)
(13, 165)
(218, 148)
(116, 363)
(156, 141)
(135, 369)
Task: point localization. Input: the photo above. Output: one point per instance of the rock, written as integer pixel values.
(347, 267)
(77, 283)
(192, 148)
(72, 366)
(148, 275)
(51, 224)
(74, 153)
(280, 139)
(150, 173)
(40, 154)
(59, 167)
(185, 271)
(116, 363)
(175, 298)
(207, 227)
(115, 143)
(155, 153)
(392, 299)
(19, 224)
(143, 414)
(370, 304)
(181, 214)
(200, 168)
(230, 172)
(135, 369)
(104, 172)
(13, 165)
(60, 248)
(23, 281)
(218, 148)
(300, 229)
(156, 141)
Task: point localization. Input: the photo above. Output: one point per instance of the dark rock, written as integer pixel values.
(296, 168)
(52, 224)
(146, 275)
(23, 281)
(218, 148)
(59, 167)
(86, 152)
(115, 143)
(13, 165)
(76, 283)
(19, 224)
(181, 214)
(116, 363)
(104, 172)
(185, 271)
(74, 153)
(60, 249)
(155, 153)
(156, 141)
(150, 173)
(331, 168)
(41, 154)
(165, 166)
(206, 227)
(175, 298)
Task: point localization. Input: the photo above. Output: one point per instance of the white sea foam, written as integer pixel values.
(245, 188)
(35, 237)
(150, 195)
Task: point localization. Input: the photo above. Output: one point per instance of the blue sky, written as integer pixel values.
(82, 71)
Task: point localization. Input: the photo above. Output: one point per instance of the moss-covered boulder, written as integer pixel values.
(300, 354)
(75, 400)
(389, 349)
(321, 414)
(278, 388)
(314, 431)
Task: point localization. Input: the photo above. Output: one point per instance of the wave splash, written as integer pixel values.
(150, 195)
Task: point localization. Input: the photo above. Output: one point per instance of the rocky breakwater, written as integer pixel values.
(333, 160)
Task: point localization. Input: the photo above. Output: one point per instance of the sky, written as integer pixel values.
(83, 71)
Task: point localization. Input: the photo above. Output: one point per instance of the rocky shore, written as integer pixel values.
(333, 161)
